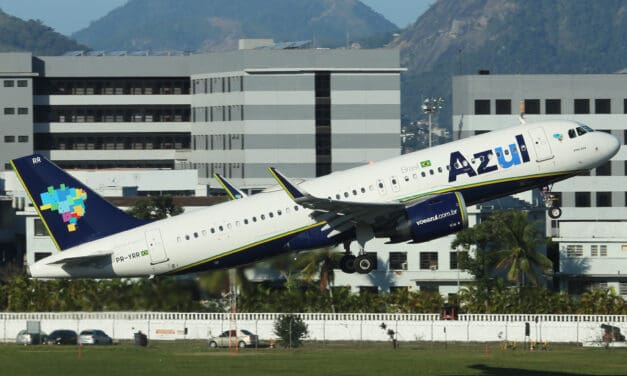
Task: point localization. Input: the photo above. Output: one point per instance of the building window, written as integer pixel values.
(482, 107)
(594, 250)
(503, 107)
(22, 83)
(603, 250)
(40, 229)
(625, 106)
(604, 199)
(398, 260)
(9, 138)
(9, 111)
(553, 106)
(557, 198)
(22, 111)
(574, 250)
(582, 199)
(582, 106)
(532, 106)
(22, 138)
(9, 83)
(429, 260)
(605, 169)
(454, 259)
(602, 106)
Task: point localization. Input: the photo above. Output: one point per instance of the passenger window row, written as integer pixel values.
(230, 225)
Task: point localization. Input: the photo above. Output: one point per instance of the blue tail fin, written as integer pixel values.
(72, 213)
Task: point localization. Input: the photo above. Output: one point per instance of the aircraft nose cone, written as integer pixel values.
(612, 145)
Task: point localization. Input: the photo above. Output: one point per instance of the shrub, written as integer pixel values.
(291, 330)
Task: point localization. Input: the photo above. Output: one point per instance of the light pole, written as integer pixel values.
(431, 106)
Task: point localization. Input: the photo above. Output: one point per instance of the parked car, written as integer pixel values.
(240, 338)
(26, 338)
(62, 337)
(94, 337)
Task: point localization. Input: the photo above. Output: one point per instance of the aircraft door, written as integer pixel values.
(540, 144)
(156, 250)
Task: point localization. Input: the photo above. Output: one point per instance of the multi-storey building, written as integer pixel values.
(307, 112)
(592, 231)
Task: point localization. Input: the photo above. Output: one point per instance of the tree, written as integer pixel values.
(507, 240)
(518, 240)
(291, 329)
(155, 207)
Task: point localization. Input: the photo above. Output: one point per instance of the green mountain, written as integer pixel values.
(507, 36)
(17, 35)
(214, 25)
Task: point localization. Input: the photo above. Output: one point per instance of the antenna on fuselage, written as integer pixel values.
(521, 117)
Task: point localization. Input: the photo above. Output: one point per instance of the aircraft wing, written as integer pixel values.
(233, 192)
(340, 215)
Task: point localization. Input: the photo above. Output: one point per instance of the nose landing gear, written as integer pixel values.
(551, 202)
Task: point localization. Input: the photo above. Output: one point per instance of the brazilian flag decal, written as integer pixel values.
(144, 252)
(426, 163)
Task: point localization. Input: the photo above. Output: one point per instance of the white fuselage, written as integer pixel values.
(215, 236)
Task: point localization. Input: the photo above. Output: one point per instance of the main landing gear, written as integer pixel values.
(363, 263)
(551, 202)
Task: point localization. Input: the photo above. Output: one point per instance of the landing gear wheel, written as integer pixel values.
(555, 212)
(347, 264)
(364, 264)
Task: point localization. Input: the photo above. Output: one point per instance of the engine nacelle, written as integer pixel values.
(433, 218)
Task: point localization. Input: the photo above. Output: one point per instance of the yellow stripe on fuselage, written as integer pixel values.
(248, 246)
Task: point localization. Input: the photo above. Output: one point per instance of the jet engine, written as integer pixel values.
(437, 216)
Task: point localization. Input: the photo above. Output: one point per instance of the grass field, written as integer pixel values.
(194, 358)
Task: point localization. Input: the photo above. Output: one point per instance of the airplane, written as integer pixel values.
(414, 197)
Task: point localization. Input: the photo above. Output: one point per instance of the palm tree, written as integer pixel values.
(518, 240)
(319, 265)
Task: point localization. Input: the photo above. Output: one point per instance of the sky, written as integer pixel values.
(68, 16)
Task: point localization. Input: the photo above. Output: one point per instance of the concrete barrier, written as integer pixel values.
(325, 327)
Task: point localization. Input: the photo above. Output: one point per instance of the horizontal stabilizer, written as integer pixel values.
(82, 259)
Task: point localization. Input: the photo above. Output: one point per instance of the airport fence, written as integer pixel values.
(327, 326)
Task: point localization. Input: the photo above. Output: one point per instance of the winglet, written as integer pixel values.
(287, 185)
(233, 192)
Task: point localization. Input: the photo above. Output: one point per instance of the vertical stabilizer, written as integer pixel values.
(71, 211)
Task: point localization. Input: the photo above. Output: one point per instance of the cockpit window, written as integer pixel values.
(581, 131)
(571, 133)
(587, 128)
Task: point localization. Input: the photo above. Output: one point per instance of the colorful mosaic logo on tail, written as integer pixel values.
(68, 202)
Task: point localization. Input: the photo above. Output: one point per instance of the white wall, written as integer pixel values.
(326, 327)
